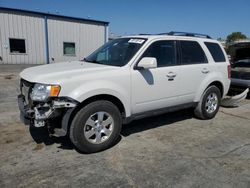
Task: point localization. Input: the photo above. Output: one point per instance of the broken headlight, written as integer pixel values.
(41, 92)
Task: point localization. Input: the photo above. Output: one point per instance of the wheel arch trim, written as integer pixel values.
(208, 82)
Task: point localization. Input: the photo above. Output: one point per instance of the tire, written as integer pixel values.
(209, 104)
(96, 127)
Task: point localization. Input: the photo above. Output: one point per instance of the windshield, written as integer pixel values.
(117, 52)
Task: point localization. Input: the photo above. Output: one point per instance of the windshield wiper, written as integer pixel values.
(84, 59)
(92, 61)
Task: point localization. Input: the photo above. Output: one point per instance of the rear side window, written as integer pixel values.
(216, 52)
(192, 53)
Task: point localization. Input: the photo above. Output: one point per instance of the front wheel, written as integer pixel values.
(209, 104)
(96, 127)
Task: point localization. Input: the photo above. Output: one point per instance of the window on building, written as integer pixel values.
(215, 51)
(163, 51)
(69, 48)
(17, 46)
(192, 53)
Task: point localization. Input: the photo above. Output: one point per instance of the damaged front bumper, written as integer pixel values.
(38, 114)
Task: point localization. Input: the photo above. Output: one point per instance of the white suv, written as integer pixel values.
(127, 78)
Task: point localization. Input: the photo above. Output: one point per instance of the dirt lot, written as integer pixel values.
(171, 150)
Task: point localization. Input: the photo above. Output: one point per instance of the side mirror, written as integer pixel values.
(147, 63)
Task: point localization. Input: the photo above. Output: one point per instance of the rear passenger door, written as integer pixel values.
(193, 68)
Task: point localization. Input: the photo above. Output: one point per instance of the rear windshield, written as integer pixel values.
(216, 51)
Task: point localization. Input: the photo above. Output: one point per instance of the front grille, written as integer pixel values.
(26, 88)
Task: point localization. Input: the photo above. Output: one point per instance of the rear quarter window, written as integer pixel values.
(216, 51)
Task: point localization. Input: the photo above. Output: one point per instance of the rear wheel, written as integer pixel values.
(209, 104)
(96, 127)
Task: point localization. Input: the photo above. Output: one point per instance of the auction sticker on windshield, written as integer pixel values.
(138, 41)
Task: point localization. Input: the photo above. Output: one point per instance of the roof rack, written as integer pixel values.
(178, 33)
(145, 34)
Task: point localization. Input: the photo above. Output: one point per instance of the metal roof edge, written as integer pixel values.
(53, 15)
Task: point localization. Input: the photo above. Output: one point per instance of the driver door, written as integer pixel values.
(159, 87)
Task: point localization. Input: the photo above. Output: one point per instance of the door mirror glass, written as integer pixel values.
(147, 63)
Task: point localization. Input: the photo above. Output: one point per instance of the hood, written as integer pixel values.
(57, 72)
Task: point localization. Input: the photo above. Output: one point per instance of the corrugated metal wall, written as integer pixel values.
(87, 38)
(22, 26)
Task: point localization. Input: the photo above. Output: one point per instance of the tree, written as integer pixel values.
(235, 36)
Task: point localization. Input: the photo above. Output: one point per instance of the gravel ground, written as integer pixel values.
(171, 150)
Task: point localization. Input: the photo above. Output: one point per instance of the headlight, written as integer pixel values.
(41, 92)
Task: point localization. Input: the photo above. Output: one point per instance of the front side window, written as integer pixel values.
(163, 51)
(117, 52)
(17, 46)
(215, 51)
(69, 48)
(192, 53)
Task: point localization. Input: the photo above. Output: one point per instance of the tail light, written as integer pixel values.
(229, 71)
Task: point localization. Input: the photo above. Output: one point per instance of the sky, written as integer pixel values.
(217, 18)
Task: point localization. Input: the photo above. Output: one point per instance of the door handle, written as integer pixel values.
(171, 75)
(205, 71)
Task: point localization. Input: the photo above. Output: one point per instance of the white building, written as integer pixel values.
(28, 37)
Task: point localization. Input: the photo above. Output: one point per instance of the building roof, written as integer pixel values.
(53, 15)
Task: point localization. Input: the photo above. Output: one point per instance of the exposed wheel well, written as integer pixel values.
(110, 98)
(219, 85)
